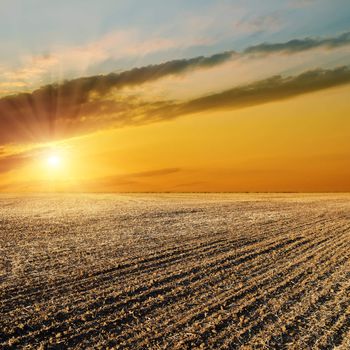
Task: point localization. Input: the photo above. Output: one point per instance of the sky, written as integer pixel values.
(175, 96)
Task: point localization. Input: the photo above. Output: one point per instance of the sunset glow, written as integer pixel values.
(54, 161)
(175, 174)
(252, 100)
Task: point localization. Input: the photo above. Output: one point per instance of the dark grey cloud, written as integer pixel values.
(264, 91)
(66, 109)
(56, 110)
(299, 45)
(96, 114)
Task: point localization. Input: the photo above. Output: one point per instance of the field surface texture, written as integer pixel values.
(175, 271)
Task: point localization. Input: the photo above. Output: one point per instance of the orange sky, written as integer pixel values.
(180, 109)
(301, 144)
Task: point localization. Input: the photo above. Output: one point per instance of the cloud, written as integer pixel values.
(128, 179)
(33, 67)
(122, 43)
(10, 162)
(55, 112)
(300, 45)
(270, 23)
(75, 61)
(124, 182)
(87, 104)
(10, 87)
(15, 157)
(152, 173)
(57, 109)
(272, 89)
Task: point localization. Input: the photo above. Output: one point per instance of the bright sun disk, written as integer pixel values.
(54, 161)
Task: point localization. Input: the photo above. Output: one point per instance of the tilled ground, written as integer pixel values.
(175, 271)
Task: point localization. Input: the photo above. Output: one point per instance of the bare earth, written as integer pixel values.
(178, 271)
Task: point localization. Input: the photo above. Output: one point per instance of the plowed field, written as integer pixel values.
(175, 271)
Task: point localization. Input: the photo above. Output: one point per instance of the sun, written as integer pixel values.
(54, 161)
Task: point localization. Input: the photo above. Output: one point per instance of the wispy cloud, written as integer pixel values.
(13, 161)
(124, 182)
(270, 23)
(300, 45)
(264, 91)
(61, 61)
(85, 104)
(38, 115)
(125, 43)
(24, 115)
(117, 181)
